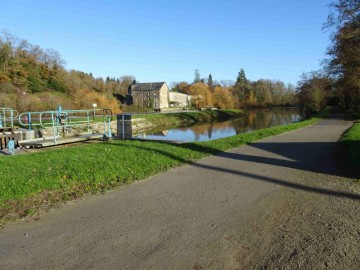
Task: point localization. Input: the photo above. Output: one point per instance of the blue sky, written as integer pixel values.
(167, 40)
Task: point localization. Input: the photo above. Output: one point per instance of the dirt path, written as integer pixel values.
(281, 203)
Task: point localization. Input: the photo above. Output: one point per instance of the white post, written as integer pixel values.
(94, 105)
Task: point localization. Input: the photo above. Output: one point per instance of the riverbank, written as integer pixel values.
(36, 181)
(160, 121)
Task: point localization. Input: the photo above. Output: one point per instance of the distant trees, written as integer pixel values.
(242, 93)
(34, 78)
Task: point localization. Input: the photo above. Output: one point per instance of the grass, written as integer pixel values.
(351, 142)
(28, 182)
(188, 118)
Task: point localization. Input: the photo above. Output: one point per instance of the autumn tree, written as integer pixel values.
(182, 87)
(223, 98)
(201, 96)
(344, 63)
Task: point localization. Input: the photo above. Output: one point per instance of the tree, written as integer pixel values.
(197, 76)
(201, 96)
(344, 63)
(313, 89)
(250, 99)
(223, 98)
(242, 86)
(262, 91)
(182, 87)
(210, 83)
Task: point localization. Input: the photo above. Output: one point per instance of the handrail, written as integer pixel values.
(28, 119)
(7, 113)
(61, 120)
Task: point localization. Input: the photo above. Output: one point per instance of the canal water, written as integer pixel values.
(253, 120)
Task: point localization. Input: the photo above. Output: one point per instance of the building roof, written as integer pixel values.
(153, 86)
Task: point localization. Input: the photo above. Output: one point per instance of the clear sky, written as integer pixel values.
(165, 40)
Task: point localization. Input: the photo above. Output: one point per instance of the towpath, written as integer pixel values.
(282, 202)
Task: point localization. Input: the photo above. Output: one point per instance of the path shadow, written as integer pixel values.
(318, 157)
(301, 163)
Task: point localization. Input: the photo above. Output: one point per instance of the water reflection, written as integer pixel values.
(254, 119)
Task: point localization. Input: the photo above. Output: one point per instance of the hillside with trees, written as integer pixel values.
(34, 79)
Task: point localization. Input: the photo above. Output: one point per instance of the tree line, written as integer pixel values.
(34, 79)
(237, 94)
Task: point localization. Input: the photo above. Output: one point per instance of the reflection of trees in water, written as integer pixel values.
(208, 129)
(262, 118)
(254, 119)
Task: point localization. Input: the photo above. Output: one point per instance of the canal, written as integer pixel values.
(253, 120)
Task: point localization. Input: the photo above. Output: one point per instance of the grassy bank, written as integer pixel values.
(189, 118)
(33, 181)
(351, 142)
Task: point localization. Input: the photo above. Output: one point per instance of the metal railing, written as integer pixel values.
(7, 117)
(63, 120)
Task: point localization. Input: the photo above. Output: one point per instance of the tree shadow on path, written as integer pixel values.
(299, 161)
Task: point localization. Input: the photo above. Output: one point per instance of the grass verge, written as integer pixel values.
(38, 180)
(189, 118)
(351, 142)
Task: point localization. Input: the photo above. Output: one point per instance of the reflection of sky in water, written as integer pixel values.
(189, 135)
(254, 120)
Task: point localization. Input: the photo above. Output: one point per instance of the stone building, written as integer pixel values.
(155, 95)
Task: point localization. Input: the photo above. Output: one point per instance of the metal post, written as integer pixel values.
(88, 122)
(123, 125)
(29, 119)
(54, 127)
(11, 117)
(109, 127)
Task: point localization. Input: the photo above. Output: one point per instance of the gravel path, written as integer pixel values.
(285, 202)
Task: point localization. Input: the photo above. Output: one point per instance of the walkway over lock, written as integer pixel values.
(65, 126)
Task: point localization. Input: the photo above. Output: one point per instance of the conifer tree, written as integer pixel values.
(197, 76)
(210, 83)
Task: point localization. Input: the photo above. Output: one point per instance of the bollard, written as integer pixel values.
(11, 147)
(124, 129)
